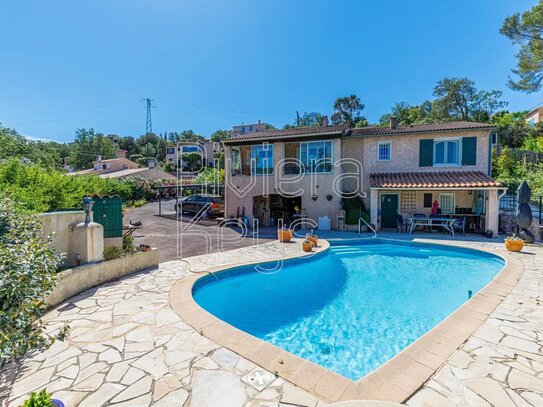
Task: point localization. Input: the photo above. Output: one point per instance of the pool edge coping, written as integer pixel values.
(397, 379)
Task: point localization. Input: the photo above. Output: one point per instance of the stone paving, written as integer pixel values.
(502, 363)
(127, 347)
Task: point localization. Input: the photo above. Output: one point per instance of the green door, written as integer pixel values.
(108, 211)
(389, 210)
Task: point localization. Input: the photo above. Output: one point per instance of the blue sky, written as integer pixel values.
(212, 64)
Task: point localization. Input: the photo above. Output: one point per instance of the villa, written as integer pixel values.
(122, 167)
(397, 170)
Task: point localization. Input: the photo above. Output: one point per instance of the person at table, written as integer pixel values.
(436, 210)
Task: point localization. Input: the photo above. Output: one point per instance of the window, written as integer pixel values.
(383, 151)
(427, 200)
(447, 152)
(446, 203)
(170, 150)
(316, 156)
(192, 149)
(236, 161)
(263, 159)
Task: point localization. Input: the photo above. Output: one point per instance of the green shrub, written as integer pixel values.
(128, 243)
(112, 252)
(28, 267)
(139, 202)
(41, 399)
(169, 167)
(354, 209)
(40, 190)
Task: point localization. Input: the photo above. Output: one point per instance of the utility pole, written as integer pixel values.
(148, 123)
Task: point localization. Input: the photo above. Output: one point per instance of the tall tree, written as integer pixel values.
(310, 119)
(184, 136)
(87, 145)
(219, 135)
(347, 110)
(459, 99)
(526, 29)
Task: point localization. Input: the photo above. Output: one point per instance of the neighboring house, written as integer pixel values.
(247, 128)
(121, 167)
(535, 116)
(402, 170)
(207, 149)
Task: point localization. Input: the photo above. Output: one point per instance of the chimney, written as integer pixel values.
(393, 122)
(120, 153)
(97, 163)
(325, 120)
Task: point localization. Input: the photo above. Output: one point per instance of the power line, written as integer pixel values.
(69, 110)
(75, 117)
(221, 110)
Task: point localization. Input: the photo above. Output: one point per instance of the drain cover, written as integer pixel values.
(258, 378)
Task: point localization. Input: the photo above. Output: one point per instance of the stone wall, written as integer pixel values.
(77, 279)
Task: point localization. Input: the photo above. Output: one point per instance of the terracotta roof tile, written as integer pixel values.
(295, 131)
(432, 179)
(419, 128)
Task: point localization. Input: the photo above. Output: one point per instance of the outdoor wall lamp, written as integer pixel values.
(88, 203)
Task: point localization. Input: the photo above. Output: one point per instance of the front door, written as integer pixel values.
(389, 210)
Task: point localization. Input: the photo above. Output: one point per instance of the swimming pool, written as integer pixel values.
(353, 307)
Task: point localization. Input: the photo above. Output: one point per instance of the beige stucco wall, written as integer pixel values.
(249, 187)
(60, 225)
(404, 157)
(77, 279)
(405, 153)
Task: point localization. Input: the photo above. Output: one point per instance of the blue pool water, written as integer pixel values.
(353, 307)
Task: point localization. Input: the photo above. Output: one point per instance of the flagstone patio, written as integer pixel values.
(127, 347)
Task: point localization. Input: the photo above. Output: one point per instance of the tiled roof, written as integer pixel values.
(419, 128)
(432, 179)
(293, 132)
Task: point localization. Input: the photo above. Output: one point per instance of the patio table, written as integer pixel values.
(445, 223)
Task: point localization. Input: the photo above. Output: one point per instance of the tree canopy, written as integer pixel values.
(526, 30)
(348, 110)
(455, 99)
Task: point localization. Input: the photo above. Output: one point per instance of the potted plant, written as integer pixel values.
(307, 245)
(42, 399)
(489, 234)
(313, 238)
(514, 243)
(284, 235)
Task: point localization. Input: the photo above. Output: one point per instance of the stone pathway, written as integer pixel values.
(502, 363)
(127, 347)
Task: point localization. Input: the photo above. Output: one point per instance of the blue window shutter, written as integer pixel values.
(469, 150)
(426, 153)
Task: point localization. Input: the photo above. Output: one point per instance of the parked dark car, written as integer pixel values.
(194, 203)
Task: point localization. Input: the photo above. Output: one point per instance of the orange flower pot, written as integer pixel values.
(313, 239)
(307, 246)
(514, 245)
(284, 235)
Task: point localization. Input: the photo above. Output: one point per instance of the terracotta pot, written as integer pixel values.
(284, 235)
(514, 245)
(308, 246)
(313, 239)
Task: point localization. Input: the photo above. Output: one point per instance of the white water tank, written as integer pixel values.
(324, 223)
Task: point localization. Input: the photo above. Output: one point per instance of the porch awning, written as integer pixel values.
(433, 180)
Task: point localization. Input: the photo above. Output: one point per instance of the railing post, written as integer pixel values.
(540, 204)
